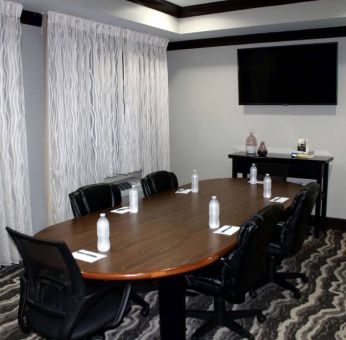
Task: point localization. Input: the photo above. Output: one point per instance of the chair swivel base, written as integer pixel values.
(222, 318)
(140, 301)
(281, 280)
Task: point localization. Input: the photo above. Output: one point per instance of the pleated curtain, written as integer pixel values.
(107, 105)
(15, 209)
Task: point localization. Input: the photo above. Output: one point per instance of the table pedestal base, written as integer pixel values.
(172, 307)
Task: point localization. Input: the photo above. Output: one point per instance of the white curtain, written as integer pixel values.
(14, 174)
(107, 106)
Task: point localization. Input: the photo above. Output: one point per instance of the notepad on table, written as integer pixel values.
(257, 182)
(279, 199)
(183, 191)
(227, 230)
(87, 256)
(122, 210)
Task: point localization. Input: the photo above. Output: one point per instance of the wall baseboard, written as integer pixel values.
(336, 223)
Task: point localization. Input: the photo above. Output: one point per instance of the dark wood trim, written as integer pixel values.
(31, 18)
(160, 5)
(234, 5)
(317, 33)
(211, 7)
(336, 223)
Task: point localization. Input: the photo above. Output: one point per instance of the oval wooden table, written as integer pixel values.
(168, 237)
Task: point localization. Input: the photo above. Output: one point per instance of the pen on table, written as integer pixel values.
(226, 229)
(87, 254)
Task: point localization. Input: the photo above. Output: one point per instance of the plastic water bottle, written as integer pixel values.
(253, 174)
(194, 181)
(133, 197)
(103, 233)
(267, 186)
(214, 213)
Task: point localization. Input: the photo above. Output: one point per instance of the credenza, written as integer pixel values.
(315, 168)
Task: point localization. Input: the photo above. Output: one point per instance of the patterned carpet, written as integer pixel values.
(320, 314)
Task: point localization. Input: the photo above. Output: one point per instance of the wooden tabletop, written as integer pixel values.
(170, 233)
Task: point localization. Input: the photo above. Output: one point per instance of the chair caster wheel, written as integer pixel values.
(145, 311)
(261, 318)
(305, 279)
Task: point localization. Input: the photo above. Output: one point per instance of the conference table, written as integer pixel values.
(167, 238)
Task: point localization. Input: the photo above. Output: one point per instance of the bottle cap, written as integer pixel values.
(253, 163)
(213, 197)
(132, 186)
(102, 214)
(267, 174)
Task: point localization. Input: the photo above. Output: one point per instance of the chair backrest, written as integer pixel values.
(244, 266)
(295, 227)
(52, 279)
(93, 198)
(159, 181)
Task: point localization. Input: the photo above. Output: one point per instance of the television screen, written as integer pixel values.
(282, 75)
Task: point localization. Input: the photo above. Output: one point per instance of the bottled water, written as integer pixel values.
(103, 233)
(194, 181)
(133, 197)
(253, 174)
(214, 212)
(267, 186)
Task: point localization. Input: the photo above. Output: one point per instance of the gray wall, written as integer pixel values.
(34, 90)
(206, 122)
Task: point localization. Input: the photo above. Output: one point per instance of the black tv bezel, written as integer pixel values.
(333, 103)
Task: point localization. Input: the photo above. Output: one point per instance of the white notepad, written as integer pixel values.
(227, 230)
(122, 210)
(279, 199)
(257, 182)
(87, 256)
(183, 191)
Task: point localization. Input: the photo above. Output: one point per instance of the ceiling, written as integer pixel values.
(133, 15)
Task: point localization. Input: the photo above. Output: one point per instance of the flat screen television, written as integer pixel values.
(288, 75)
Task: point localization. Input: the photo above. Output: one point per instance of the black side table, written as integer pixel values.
(316, 168)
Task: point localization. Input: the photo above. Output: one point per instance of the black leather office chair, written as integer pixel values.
(289, 236)
(233, 276)
(97, 197)
(94, 197)
(55, 300)
(159, 181)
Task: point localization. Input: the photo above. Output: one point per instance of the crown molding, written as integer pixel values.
(211, 7)
(317, 33)
(160, 5)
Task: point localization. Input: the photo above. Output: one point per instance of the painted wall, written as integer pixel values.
(206, 122)
(34, 90)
